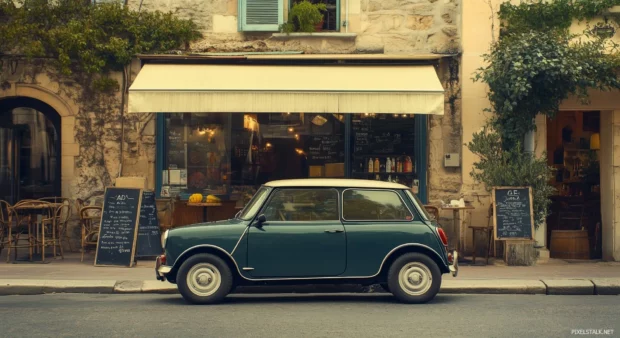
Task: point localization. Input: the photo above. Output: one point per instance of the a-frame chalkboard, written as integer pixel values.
(149, 234)
(118, 231)
(513, 213)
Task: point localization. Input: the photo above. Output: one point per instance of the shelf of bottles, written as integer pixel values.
(388, 168)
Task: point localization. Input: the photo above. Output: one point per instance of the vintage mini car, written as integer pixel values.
(311, 231)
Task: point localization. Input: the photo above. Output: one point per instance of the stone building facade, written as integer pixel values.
(98, 141)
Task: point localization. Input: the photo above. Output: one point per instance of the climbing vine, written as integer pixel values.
(535, 65)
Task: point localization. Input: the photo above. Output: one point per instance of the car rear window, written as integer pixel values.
(374, 205)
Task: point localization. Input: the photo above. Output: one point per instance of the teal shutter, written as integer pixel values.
(261, 15)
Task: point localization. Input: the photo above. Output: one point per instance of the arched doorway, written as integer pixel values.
(29, 149)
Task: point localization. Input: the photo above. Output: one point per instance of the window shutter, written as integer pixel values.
(261, 15)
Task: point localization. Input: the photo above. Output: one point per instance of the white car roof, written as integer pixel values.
(335, 182)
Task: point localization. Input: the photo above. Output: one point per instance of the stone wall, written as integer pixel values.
(381, 26)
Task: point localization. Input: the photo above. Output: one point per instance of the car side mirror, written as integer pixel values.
(261, 219)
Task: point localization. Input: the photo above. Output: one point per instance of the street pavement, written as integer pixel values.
(346, 315)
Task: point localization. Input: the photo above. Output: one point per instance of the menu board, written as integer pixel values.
(325, 149)
(118, 230)
(513, 213)
(149, 234)
(383, 136)
(176, 147)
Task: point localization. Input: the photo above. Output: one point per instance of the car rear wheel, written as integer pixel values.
(204, 279)
(414, 278)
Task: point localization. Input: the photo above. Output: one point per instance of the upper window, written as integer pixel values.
(330, 16)
(302, 205)
(268, 15)
(374, 205)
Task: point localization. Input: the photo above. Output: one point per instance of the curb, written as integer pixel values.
(600, 286)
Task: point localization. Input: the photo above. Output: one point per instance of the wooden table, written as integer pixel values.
(36, 209)
(204, 206)
(456, 211)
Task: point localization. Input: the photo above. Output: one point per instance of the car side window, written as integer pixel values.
(374, 205)
(302, 205)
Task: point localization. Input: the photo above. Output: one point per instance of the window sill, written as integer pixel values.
(318, 35)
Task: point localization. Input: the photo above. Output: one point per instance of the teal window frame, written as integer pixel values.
(420, 156)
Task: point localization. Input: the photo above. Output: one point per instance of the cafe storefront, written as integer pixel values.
(225, 129)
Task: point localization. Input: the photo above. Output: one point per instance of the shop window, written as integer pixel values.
(302, 205)
(233, 154)
(196, 156)
(384, 148)
(374, 205)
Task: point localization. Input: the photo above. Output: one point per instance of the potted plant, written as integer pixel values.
(305, 16)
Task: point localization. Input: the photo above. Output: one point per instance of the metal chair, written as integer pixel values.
(433, 210)
(488, 230)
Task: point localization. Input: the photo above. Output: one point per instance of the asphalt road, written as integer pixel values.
(73, 315)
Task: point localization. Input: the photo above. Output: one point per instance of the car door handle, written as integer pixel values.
(334, 231)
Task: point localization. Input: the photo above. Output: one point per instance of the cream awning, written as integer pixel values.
(390, 89)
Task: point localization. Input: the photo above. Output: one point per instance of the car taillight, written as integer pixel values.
(162, 259)
(443, 236)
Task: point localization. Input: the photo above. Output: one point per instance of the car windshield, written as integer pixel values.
(420, 205)
(254, 205)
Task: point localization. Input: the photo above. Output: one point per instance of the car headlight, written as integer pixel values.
(164, 238)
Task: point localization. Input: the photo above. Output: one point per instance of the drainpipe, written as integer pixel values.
(529, 142)
(346, 20)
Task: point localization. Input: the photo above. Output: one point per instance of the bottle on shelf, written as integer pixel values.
(370, 166)
(393, 165)
(377, 165)
(388, 165)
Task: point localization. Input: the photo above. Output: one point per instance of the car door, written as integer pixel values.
(301, 237)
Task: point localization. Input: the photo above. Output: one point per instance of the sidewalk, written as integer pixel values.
(71, 275)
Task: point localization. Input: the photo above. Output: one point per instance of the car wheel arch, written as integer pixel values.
(216, 251)
(411, 249)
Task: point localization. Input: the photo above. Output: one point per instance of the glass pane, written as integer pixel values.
(384, 148)
(255, 203)
(303, 205)
(274, 146)
(32, 140)
(369, 205)
(196, 157)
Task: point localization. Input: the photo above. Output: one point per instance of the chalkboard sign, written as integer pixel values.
(325, 149)
(149, 235)
(119, 225)
(513, 213)
(389, 136)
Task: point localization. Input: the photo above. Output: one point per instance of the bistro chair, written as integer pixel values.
(69, 211)
(6, 220)
(488, 230)
(90, 218)
(53, 229)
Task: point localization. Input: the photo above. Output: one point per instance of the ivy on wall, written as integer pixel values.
(85, 48)
(92, 39)
(534, 66)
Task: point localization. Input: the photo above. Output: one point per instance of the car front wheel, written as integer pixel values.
(204, 279)
(414, 278)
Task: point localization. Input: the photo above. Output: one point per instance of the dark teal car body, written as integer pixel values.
(319, 248)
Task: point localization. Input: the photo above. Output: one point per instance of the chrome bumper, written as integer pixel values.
(454, 268)
(161, 270)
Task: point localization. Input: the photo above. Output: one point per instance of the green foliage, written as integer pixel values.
(304, 16)
(87, 38)
(533, 72)
(544, 15)
(511, 167)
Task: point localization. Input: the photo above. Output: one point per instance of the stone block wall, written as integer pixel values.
(386, 26)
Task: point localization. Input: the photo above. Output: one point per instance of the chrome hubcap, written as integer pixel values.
(204, 279)
(415, 278)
